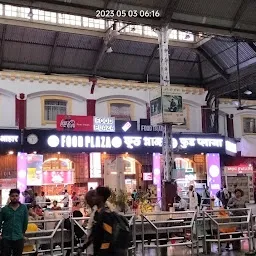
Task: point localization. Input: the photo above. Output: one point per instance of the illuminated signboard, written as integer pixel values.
(9, 138)
(122, 142)
(130, 142)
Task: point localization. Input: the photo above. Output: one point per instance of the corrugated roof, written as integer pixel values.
(31, 49)
(209, 8)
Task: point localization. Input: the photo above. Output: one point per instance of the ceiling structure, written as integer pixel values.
(210, 63)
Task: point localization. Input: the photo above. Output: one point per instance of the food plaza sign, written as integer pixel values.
(138, 142)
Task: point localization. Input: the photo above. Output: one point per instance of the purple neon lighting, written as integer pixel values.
(22, 173)
(213, 173)
(157, 174)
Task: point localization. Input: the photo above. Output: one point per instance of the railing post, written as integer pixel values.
(142, 235)
(62, 237)
(72, 236)
(134, 235)
(204, 242)
(157, 243)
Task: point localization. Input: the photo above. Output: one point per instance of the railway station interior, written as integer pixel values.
(140, 113)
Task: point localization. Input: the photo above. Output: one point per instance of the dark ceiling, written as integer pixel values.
(218, 17)
(211, 65)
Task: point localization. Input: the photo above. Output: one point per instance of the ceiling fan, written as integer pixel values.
(238, 103)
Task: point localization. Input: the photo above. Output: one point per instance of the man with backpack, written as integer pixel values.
(110, 233)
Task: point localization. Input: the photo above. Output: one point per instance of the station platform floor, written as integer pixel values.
(183, 250)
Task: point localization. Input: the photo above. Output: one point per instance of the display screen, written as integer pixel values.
(147, 176)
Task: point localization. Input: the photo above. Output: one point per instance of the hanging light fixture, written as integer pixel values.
(30, 14)
(247, 91)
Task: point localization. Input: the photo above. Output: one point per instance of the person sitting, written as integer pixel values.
(55, 206)
(38, 210)
(48, 205)
(30, 246)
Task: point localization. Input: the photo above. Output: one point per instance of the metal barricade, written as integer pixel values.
(166, 223)
(47, 237)
(228, 228)
(77, 221)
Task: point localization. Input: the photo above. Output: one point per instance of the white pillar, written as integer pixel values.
(163, 39)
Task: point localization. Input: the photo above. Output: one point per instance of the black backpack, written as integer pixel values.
(199, 199)
(121, 232)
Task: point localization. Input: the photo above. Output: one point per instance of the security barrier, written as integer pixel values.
(166, 223)
(231, 225)
(54, 237)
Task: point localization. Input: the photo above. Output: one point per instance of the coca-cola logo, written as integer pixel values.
(68, 124)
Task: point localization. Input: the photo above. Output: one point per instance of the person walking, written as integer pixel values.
(105, 241)
(14, 223)
(193, 198)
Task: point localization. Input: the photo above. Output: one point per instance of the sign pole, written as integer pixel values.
(163, 39)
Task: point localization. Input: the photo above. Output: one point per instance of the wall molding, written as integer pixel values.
(7, 93)
(122, 97)
(84, 81)
(56, 93)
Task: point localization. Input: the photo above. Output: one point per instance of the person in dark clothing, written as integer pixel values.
(103, 226)
(77, 230)
(14, 222)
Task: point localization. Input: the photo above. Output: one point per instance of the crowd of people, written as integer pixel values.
(105, 227)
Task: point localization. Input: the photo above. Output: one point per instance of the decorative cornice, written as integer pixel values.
(84, 81)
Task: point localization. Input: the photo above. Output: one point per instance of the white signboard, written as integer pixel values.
(103, 124)
(166, 106)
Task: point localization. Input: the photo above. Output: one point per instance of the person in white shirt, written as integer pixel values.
(193, 199)
(42, 200)
(37, 199)
(65, 200)
(183, 206)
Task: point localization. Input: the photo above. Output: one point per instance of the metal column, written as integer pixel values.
(163, 39)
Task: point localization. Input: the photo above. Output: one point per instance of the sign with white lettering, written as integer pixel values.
(103, 124)
(10, 140)
(120, 142)
(247, 169)
(85, 123)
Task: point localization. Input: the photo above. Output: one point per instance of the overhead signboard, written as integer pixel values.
(85, 123)
(10, 140)
(247, 169)
(126, 126)
(120, 142)
(166, 106)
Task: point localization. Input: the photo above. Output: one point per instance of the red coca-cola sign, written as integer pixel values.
(74, 123)
(68, 124)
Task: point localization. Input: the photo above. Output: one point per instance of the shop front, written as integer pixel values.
(10, 145)
(126, 161)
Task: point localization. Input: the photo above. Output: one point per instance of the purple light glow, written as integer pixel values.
(157, 174)
(22, 173)
(213, 173)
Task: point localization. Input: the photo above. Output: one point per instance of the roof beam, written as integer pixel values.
(55, 43)
(199, 63)
(2, 45)
(203, 41)
(169, 11)
(150, 62)
(107, 42)
(100, 56)
(232, 86)
(214, 64)
(252, 45)
(106, 4)
(242, 8)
